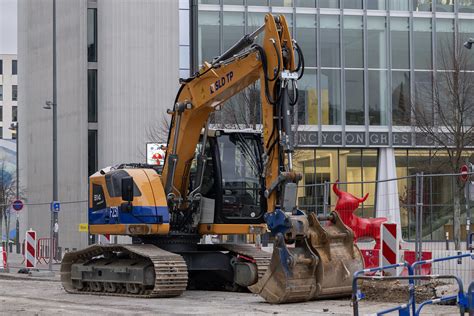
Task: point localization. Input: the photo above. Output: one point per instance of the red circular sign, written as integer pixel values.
(17, 205)
(464, 173)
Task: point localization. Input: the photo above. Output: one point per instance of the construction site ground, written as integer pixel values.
(42, 294)
(19, 296)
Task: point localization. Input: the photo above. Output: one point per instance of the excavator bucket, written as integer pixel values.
(320, 265)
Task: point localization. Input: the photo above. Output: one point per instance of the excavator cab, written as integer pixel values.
(232, 186)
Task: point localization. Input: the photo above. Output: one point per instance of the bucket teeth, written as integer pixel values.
(320, 265)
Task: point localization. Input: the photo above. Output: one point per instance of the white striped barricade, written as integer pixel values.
(390, 253)
(30, 249)
(3, 259)
(104, 239)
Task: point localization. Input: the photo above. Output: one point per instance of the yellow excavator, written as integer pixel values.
(236, 184)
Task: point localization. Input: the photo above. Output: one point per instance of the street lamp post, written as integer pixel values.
(54, 233)
(14, 127)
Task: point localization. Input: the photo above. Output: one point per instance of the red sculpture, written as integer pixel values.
(362, 227)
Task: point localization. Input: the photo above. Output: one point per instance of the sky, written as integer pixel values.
(8, 27)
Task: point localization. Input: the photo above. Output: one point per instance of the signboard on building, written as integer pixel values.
(362, 139)
(155, 153)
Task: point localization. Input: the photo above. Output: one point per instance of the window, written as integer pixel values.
(282, 3)
(444, 43)
(423, 96)
(257, 2)
(254, 21)
(353, 42)
(1, 132)
(422, 52)
(306, 37)
(14, 113)
(14, 92)
(399, 5)
(376, 42)
(448, 6)
(1, 67)
(209, 35)
(306, 3)
(233, 28)
(422, 5)
(209, 1)
(14, 67)
(400, 43)
(234, 2)
(92, 151)
(330, 43)
(329, 3)
(465, 6)
(466, 30)
(352, 4)
(378, 103)
(376, 5)
(331, 96)
(92, 95)
(1, 93)
(307, 107)
(1, 113)
(92, 35)
(354, 97)
(401, 97)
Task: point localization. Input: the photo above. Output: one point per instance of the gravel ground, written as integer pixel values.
(23, 296)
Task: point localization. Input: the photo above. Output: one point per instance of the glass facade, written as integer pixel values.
(365, 66)
(367, 63)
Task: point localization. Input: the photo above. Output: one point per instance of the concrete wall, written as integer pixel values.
(137, 79)
(138, 69)
(35, 78)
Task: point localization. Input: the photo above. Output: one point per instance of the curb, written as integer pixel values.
(22, 277)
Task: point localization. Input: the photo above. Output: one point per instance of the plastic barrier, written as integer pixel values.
(43, 250)
(410, 257)
(30, 249)
(3, 259)
(371, 258)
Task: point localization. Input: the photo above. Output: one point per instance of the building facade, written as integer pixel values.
(366, 63)
(8, 94)
(117, 73)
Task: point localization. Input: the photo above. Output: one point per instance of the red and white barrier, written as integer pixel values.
(390, 253)
(104, 239)
(3, 259)
(30, 251)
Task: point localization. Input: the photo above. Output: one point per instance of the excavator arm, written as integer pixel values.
(216, 82)
(323, 256)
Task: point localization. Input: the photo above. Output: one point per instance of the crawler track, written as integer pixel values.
(171, 275)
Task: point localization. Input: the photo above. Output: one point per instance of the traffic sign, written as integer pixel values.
(83, 228)
(17, 205)
(464, 173)
(55, 206)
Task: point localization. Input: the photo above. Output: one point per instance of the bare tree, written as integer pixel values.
(443, 111)
(241, 111)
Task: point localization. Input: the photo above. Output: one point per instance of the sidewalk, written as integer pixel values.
(41, 272)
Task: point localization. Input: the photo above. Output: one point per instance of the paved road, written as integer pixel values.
(46, 297)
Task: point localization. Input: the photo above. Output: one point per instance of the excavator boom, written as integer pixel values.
(233, 179)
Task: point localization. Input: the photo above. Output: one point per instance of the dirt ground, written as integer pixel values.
(397, 291)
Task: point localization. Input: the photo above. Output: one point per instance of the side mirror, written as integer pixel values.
(127, 189)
